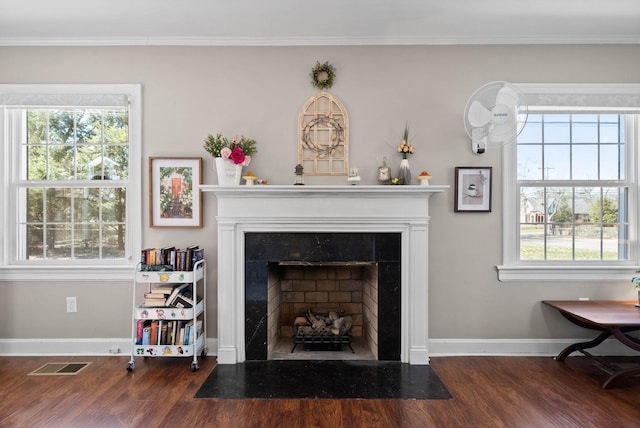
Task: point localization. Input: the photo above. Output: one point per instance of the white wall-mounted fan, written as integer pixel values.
(495, 114)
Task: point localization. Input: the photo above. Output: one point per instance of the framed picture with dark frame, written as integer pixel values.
(175, 200)
(473, 189)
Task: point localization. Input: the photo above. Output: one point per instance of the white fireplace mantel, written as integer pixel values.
(382, 209)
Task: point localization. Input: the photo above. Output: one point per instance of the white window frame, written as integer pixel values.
(624, 97)
(122, 269)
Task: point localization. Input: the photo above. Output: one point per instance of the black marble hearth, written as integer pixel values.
(264, 250)
(373, 380)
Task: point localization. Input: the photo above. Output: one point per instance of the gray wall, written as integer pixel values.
(189, 92)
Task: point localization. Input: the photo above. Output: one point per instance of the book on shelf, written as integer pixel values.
(154, 302)
(153, 337)
(162, 289)
(177, 290)
(183, 298)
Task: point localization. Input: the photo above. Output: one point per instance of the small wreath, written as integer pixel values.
(337, 136)
(322, 75)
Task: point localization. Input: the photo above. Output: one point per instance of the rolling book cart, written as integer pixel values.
(173, 325)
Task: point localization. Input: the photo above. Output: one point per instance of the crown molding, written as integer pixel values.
(318, 41)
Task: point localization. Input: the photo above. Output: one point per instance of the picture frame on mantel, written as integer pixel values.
(473, 189)
(175, 198)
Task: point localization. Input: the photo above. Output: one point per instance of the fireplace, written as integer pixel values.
(323, 272)
(368, 214)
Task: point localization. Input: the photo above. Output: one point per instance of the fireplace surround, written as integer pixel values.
(365, 210)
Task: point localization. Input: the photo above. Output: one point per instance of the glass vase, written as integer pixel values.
(405, 171)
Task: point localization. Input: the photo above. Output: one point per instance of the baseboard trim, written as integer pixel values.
(519, 347)
(80, 347)
(437, 347)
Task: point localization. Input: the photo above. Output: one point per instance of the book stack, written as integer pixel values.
(158, 295)
(171, 295)
(170, 258)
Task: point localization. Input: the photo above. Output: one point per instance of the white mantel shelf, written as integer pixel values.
(317, 209)
(257, 191)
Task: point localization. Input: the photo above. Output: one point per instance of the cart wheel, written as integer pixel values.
(130, 366)
(194, 367)
(203, 354)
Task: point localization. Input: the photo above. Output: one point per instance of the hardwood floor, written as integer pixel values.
(488, 392)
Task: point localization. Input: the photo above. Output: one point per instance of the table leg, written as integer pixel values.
(583, 345)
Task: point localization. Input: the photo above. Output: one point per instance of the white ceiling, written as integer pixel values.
(309, 22)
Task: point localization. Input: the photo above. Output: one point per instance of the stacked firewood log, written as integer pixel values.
(322, 325)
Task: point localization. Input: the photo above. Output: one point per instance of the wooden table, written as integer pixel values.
(613, 318)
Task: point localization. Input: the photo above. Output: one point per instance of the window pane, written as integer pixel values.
(36, 162)
(585, 162)
(610, 132)
(116, 126)
(113, 205)
(532, 242)
(86, 205)
(529, 162)
(118, 156)
(584, 128)
(37, 126)
(34, 238)
(59, 241)
(587, 242)
(89, 162)
(113, 239)
(532, 131)
(611, 165)
(61, 127)
(557, 162)
(88, 126)
(61, 162)
(557, 128)
(58, 205)
(87, 241)
(34, 204)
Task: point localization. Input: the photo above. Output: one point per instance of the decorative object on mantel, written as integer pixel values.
(299, 181)
(249, 178)
(323, 136)
(322, 75)
(383, 172)
(230, 156)
(405, 148)
(424, 178)
(354, 176)
(636, 282)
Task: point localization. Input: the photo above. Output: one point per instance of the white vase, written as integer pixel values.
(405, 172)
(228, 172)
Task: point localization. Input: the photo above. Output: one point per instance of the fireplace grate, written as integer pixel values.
(320, 342)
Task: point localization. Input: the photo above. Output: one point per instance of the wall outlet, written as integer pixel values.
(72, 304)
(114, 350)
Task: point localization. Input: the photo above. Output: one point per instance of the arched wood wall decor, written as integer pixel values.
(323, 136)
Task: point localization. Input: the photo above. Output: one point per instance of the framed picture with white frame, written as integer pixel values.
(473, 189)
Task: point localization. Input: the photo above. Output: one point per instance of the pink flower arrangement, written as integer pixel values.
(239, 151)
(237, 156)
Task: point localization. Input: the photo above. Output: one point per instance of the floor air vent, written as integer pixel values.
(57, 369)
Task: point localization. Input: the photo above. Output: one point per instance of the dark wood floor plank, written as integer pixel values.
(487, 391)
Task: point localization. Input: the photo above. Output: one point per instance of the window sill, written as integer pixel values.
(565, 273)
(67, 273)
